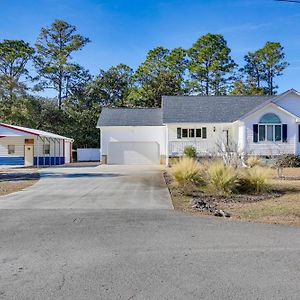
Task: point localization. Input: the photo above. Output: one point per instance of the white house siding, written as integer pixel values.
(133, 134)
(210, 145)
(271, 148)
(290, 102)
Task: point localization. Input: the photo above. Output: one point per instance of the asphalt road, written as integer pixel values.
(144, 254)
(89, 186)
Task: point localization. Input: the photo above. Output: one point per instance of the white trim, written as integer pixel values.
(271, 101)
(274, 106)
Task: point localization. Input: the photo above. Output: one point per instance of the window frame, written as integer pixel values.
(267, 135)
(11, 151)
(266, 139)
(44, 149)
(191, 133)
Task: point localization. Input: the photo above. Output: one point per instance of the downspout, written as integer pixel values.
(54, 142)
(64, 155)
(71, 152)
(37, 151)
(167, 145)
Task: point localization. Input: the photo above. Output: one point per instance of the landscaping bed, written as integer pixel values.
(13, 180)
(278, 202)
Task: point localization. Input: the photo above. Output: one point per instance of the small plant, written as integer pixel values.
(190, 151)
(253, 181)
(253, 161)
(286, 161)
(221, 179)
(187, 173)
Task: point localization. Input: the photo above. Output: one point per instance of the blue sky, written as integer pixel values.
(123, 31)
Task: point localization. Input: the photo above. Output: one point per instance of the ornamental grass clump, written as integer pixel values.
(253, 180)
(221, 179)
(187, 173)
(253, 161)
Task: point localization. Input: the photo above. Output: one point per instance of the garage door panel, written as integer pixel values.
(133, 153)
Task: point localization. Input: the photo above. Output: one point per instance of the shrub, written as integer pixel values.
(253, 161)
(221, 179)
(190, 151)
(187, 173)
(253, 181)
(288, 161)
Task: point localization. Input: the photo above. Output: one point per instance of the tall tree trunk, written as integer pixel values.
(271, 82)
(60, 84)
(207, 81)
(59, 94)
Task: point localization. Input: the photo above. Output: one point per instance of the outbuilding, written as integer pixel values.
(32, 147)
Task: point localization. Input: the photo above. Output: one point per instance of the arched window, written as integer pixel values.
(270, 118)
(269, 129)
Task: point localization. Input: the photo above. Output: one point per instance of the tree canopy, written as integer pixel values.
(54, 47)
(206, 68)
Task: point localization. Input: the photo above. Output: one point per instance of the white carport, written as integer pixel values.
(26, 146)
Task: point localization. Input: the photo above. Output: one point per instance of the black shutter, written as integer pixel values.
(299, 133)
(284, 133)
(179, 133)
(204, 133)
(255, 133)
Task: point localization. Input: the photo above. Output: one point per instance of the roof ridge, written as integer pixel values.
(131, 108)
(216, 96)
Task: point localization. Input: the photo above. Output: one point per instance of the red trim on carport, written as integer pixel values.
(18, 129)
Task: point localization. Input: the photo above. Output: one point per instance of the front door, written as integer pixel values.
(28, 155)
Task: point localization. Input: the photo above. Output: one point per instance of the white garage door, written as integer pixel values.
(133, 153)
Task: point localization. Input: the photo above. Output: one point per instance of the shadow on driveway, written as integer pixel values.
(78, 175)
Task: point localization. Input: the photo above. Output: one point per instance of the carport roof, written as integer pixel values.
(36, 132)
(130, 117)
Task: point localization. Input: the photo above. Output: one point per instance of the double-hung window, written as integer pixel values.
(191, 133)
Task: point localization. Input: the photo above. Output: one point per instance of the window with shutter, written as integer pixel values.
(255, 133)
(204, 133)
(284, 133)
(179, 133)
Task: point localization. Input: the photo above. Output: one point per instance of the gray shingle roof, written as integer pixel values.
(207, 109)
(130, 117)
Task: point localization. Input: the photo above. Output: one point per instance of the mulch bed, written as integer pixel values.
(207, 203)
(235, 198)
(240, 198)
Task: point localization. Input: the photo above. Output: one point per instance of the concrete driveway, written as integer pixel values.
(94, 187)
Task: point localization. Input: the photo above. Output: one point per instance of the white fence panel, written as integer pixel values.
(88, 154)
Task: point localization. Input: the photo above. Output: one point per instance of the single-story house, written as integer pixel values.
(31, 147)
(258, 125)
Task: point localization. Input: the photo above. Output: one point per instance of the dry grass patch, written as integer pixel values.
(14, 180)
(281, 210)
(279, 204)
